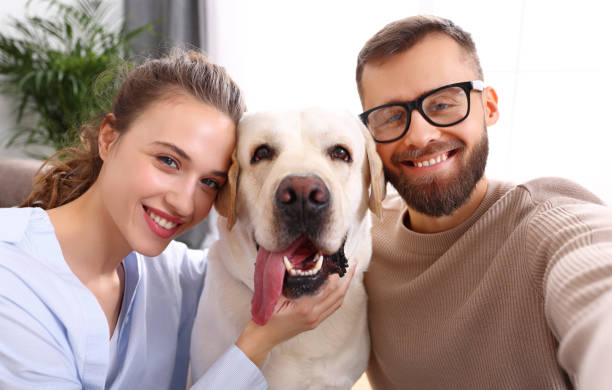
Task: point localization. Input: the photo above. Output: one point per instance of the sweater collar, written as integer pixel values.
(437, 243)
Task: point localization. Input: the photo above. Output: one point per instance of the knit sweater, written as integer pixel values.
(518, 296)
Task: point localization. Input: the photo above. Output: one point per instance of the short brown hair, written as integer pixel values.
(401, 35)
(71, 171)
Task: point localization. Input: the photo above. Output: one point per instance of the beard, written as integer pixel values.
(440, 196)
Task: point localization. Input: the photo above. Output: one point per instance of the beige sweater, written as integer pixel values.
(517, 297)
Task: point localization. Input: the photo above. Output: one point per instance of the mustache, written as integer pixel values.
(413, 153)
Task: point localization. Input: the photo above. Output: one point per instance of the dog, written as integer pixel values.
(296, 206)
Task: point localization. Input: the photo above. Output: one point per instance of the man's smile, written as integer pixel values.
(426, 162)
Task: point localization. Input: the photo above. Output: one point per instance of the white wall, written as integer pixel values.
(549, 61)
(17, 8)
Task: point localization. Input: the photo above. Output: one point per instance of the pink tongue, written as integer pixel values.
(269, 274)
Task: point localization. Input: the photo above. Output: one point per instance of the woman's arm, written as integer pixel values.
(238, 367)
(34, 350)
(291, 318)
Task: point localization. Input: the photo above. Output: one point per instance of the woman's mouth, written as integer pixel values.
(160, 223)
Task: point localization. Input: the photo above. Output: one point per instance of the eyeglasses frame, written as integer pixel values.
(417, 104)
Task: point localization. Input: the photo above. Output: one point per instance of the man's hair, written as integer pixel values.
(403, 34)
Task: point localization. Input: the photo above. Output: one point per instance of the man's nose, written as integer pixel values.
(420, 133)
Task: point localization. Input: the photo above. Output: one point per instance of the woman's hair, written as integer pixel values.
(71, 171)
(401, 35)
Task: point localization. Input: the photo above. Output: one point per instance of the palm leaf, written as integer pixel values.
(50, 65)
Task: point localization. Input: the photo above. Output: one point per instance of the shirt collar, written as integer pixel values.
(14, 223)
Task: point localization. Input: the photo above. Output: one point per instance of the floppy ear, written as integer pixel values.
(225, 203)
(377, 177)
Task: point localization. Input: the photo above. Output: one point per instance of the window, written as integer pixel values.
(549, 62)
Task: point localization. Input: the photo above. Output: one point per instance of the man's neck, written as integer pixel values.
(422, 223)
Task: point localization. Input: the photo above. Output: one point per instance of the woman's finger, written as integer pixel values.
(335, 296)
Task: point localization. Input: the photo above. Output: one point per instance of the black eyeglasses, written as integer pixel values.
(443, 107)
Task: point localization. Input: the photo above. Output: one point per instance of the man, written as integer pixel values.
(474, 283)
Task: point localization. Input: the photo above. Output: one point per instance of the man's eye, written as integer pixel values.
(395, 118)
(262, 153)
(169, 161)
(439, 107)
(211, 183)
(340, 153)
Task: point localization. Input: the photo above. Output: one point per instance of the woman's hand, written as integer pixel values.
(291, 318)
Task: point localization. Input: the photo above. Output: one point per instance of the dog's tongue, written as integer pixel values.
(269, 274)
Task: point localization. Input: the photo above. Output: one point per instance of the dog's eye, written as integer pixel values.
(339, 153)
(262, 153)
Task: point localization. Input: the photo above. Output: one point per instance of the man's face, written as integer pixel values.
(456, 155)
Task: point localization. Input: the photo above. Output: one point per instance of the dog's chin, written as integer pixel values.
(295, 286)
(307, 277)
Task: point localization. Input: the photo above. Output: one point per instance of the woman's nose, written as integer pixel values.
(181, 199)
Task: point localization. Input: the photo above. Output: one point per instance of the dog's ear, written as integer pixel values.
(377, 177)
(225, 204)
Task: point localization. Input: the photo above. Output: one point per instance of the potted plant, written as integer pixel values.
(49, 64)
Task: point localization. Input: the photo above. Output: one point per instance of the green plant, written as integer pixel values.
(50, 65)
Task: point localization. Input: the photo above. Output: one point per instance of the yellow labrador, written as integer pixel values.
(294, 210)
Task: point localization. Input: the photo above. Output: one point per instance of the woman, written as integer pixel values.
(93, 291)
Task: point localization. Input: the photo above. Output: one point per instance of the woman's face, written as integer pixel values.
(162, 175)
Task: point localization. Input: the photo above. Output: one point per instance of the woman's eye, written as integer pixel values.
(211, 183)
(340, 153)
(262, 153)
(169, 161)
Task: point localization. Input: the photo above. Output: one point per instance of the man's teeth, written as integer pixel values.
(431, 161)
(298, 272)
(161, 221)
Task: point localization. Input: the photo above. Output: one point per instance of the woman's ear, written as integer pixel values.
(107, 136)
(489, 97)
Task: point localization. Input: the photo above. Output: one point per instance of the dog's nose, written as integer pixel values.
(306, 193)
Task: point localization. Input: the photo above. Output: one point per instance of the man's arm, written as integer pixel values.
(575, 243)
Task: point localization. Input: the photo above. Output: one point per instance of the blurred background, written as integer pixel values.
(549, 61)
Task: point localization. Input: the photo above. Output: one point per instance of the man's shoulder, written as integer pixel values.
(548, 189)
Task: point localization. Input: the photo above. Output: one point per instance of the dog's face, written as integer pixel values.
(300, 182)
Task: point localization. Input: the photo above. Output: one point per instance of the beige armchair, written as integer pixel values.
(16, 179)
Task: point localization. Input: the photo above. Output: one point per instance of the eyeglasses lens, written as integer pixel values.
(444, 107)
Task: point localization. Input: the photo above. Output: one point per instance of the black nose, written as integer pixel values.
(302, 195)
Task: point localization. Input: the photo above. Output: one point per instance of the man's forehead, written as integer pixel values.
(435, 61)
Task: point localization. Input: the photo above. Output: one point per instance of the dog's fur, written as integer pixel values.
(335, 354)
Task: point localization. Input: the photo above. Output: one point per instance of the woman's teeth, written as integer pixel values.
(431, 161)
(298, 272)
(161, 221)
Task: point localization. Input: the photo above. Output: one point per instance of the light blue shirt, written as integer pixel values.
(54, 334)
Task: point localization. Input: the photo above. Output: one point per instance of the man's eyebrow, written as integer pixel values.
(175, 148)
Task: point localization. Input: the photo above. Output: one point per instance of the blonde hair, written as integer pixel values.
(71, 171)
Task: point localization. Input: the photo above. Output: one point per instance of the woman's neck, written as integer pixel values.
(91, 243)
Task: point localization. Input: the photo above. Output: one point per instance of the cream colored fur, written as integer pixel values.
(335, 354)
